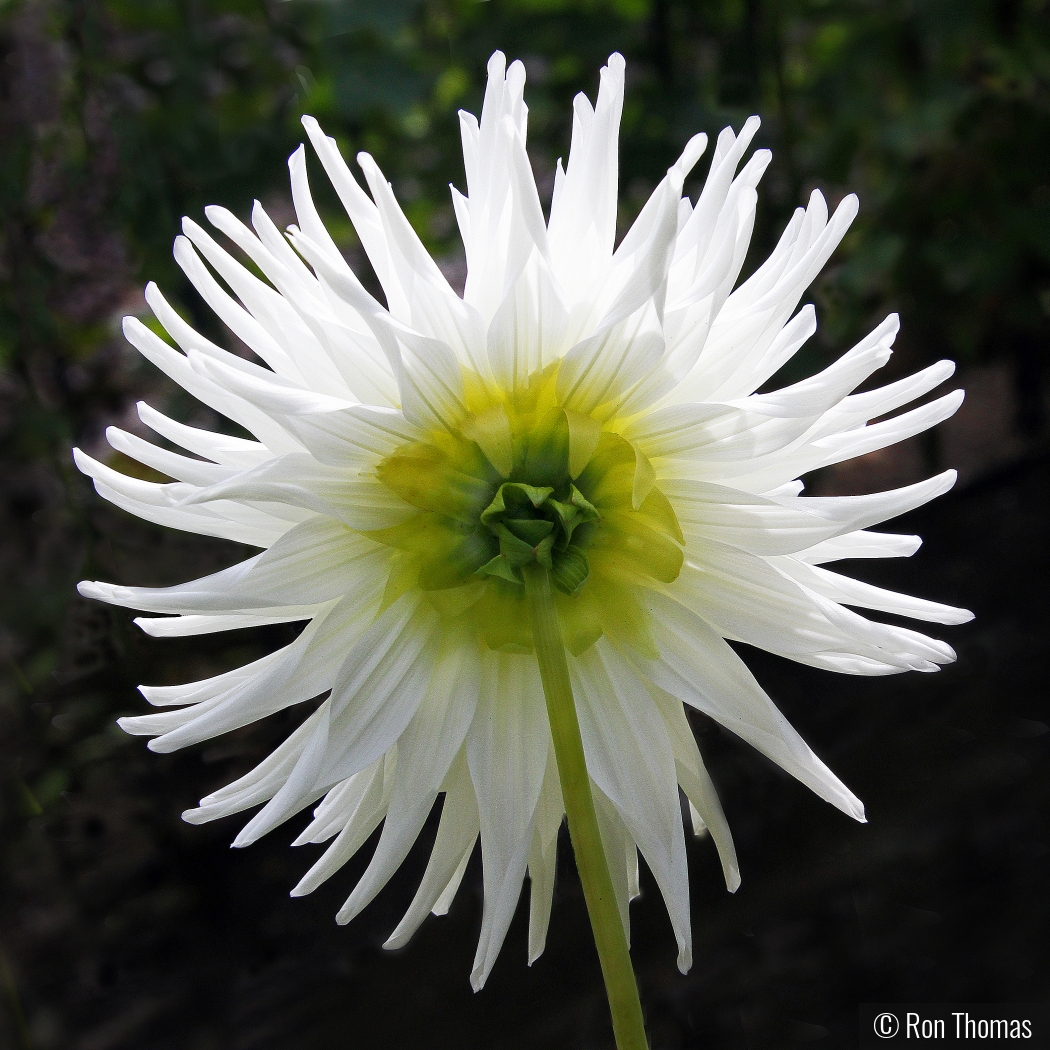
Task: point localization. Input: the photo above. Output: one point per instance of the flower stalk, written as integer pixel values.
(609, 937)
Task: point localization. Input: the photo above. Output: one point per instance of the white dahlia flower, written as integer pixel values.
(423, 471)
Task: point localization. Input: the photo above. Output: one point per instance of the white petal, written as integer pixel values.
(196, 692)
(788, 524)
(754, 314)
(304, 356)
(182, 468)
(814, 396)
(345, 341)
(306, 668)
(160, 504)
(543, 857)
(629, 757)
(816, 448)
(356, 498)
(314, 562)
(361, 722)
(583, 212)
(747, 599)
(392, 659)
(220, 448)
(696, 782)
(861, 545)
(431, 379)
(340, 803)
(333, 430)
(699, 668)
(863, 595)
(436, 311)
(232, 314)
(457, 833)
(264, 781)
(616, 843)
(729, 150)
(605, 368)
(269, 392)
(364, 215)
(361, 821)
(500, 217)
(888, 432)
(507, 754)
(425, 753)
(189, 625)
(527, 330)
(177, 367)
(335, 438)
(862, 407)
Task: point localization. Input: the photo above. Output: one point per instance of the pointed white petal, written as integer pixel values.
(696, 782)
(861, 545)
(583, 212)
(161, 504)
(183, 626)
(313, 562)
(304, 669)
(788, 524)
(361, 723)
(356, 498)
(177, 367)
(264, 781)
(863, 595)
(747, 599)
(543, 857)
(457, 833)
(182, 468)
(699, 668)
(339, 805)
(425, 753)
(617, 844)
(629, 757)
(362, 820)
(380, 685)
(364, 215)
(507, 754)
(220, 448)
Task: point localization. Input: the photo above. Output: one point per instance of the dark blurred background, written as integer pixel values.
(120, 926)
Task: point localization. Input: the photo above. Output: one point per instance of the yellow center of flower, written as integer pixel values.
(521, 480)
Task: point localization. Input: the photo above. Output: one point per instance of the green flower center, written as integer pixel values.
(525, 480)
(531, 524)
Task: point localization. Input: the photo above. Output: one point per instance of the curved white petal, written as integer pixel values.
(219, 448)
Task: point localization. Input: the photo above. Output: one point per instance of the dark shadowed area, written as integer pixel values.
(123, 928)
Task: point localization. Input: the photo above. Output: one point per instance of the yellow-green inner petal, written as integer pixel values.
(523, 480)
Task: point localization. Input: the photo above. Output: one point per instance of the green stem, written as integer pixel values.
(609, 937)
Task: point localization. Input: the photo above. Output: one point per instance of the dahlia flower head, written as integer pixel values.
(583, 404)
